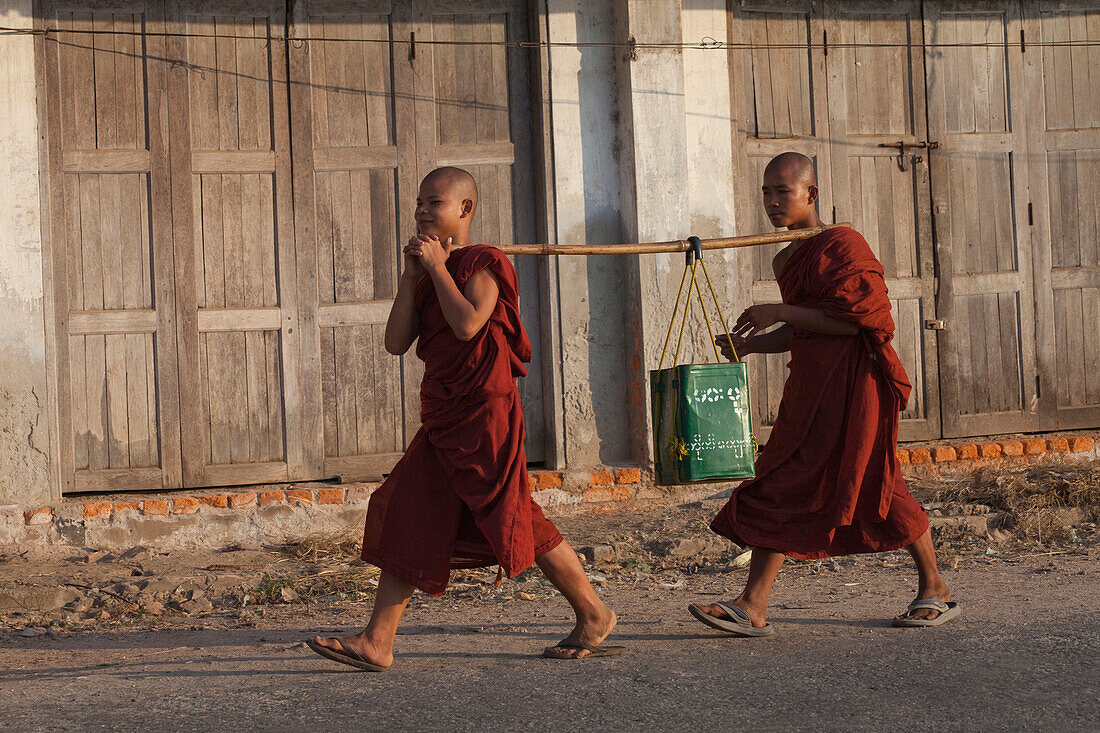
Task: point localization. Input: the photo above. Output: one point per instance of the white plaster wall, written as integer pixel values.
(24, 443)
(592, 297)
(709, 126)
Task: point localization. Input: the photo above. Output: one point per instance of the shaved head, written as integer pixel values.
(457, 180)
(793, 167)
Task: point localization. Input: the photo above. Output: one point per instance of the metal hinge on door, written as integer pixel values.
(935, 324)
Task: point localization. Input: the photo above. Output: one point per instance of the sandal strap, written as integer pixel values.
(933, 604)
(736, 614)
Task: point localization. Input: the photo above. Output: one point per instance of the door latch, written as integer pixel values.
(935, 324)
(901, 145)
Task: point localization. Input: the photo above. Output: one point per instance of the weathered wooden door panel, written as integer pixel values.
(473, 111)
(980, 197)
(234, 244)
(876, 97)
(779, 100)
(1063, 96)
(111, 249)
(354, 193)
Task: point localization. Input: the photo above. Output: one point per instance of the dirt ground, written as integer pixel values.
(130, 639)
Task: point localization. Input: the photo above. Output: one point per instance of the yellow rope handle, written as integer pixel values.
(718, 307)
(672, 321)
(687, 310)
(706, 318)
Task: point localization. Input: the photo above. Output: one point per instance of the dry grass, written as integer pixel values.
(327, 547)
(1042, 502)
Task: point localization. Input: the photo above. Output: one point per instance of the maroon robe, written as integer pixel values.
(460, 496)
(828, 482)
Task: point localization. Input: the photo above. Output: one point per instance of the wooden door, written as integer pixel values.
(976, 101)
(234, 243)
(779, 100)
(473, 110)
(355, 182)
(1062, 90)
(111, 249)
(875, 71)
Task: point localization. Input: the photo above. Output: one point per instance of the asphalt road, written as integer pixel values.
(1025, 654)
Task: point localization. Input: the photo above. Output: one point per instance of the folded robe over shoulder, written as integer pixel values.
(828, 482)
(460, 496)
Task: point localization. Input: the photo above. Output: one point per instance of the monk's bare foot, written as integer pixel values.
(591, 629)
(361, 645)
(758, 616)
(937, 590)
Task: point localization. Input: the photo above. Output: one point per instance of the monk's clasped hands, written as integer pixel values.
(427, 251)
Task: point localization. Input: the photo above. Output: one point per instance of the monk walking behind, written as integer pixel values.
(459, 497)
(828, 482)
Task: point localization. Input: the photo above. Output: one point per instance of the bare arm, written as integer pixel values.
(466, 310)
(758, 317)
(772, 342)
(403, 324)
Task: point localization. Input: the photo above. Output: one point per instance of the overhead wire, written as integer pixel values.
(706, 43)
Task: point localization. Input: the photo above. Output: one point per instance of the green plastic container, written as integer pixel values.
(701, 423)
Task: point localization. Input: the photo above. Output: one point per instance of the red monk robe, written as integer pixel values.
(828, 481)
(459, 497)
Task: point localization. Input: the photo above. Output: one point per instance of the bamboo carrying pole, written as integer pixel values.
(676, 245)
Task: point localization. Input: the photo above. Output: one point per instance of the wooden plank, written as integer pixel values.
(256, 404)
(473, 154)
(384, 240)
(378, 86)
(115, 480)
(110, 210)
(280, 419)
(366, 402)
(354, 158)
(239, 319)
(138, 320)
(353, 469)
(76, 398)
(234, 474)
(118, 436)
(165, 397)
(306, 90)
(361, 226)
(194, 428)
(105, 161)
(233, 161)
(345, 361)
(103, 60)
(95, 380)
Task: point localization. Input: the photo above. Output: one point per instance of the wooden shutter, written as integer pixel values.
(976, 99)
(876, 97)
(1063, 97)
(234, 243)
(779, 100)
(111, 260)
(473, 110)
(354, 193)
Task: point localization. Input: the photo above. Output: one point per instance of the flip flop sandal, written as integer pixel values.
(348, 656)
(738, 622)
(948, 610)
(551, 652)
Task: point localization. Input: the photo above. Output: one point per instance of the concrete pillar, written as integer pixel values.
(653, 187)
(24, 438)
(591, 289)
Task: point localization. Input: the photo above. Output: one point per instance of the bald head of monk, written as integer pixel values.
(790, 191)
(446, 203)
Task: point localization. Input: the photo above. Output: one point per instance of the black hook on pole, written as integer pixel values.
(696, 252)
